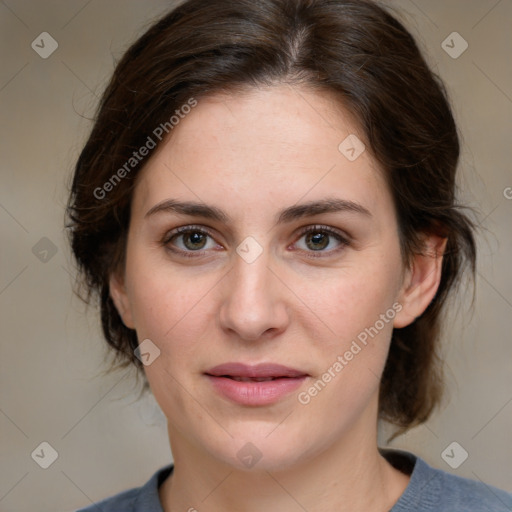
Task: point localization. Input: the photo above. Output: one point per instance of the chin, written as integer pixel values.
(255, 450)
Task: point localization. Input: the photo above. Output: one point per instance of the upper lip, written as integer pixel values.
(255, 371)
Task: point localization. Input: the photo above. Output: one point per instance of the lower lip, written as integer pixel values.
(255, 393)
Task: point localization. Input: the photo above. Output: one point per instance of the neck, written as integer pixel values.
(349, 475)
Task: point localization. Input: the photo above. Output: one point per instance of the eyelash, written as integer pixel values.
(344, 241)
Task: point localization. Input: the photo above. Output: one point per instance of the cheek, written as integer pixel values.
(161, 306)
(353, 350)
(171, 312)
(354, 300)
(356, 309)
(169, 307)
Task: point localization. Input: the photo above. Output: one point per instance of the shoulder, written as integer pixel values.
(139, 499)
(470, 494)
(432, 489)
(123, 501)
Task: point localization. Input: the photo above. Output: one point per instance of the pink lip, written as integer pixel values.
(258, 370)
(285, 381)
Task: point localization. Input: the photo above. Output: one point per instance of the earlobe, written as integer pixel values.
(421, 281)
(120, 299)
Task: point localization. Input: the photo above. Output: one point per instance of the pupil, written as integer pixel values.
(317, 239)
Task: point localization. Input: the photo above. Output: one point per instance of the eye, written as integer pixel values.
(189, 239)
(193, 241)
(321, 239)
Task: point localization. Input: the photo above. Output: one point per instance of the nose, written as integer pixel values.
(254, 300)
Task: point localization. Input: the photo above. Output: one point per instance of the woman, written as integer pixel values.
(266, 210)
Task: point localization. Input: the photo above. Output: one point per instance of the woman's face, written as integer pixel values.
(299, 267)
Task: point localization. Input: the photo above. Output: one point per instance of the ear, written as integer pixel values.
(120, 298)
(421, 281)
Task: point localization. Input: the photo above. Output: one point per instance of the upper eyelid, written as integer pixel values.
(332, 231)
(208, 230)
(329, 229)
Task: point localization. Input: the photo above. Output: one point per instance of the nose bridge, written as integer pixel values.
(253, 303)
(250, 275)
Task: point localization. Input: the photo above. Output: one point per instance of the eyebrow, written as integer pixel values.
(289, 214)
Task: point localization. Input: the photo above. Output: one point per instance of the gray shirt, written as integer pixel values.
(429, 490)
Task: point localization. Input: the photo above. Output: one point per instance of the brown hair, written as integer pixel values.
(353, 49)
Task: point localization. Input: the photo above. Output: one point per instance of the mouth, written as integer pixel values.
(257, 385)
(255, 373)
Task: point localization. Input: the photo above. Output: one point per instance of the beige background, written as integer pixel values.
(52, 356)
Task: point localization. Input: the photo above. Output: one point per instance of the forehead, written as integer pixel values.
(282, 143)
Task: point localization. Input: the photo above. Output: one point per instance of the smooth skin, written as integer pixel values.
(301, 303)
